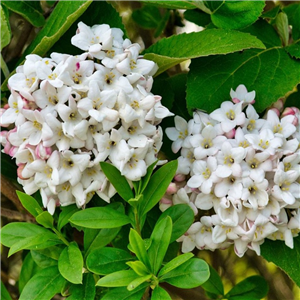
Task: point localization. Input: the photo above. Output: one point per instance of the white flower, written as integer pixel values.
(229, 115)
(189, 238)
(286, 188)
(253, 123)
(241, 94)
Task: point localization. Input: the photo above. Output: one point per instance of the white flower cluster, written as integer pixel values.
(239, 173)
(72, 112)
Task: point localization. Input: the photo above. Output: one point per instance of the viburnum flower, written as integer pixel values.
(72, 112)
(241, 172)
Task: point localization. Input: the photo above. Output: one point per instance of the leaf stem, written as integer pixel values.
(61, 237)
(4, 67)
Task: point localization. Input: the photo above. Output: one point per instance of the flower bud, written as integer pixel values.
(230, 134)
(20, 170)
(236, 100)
(172, 189)
(179, 177)
(42, 152)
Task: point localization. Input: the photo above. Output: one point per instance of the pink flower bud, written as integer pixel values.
(230, 134)
(12, 151)
(288, 111)
(295, 109)
(179, 177)
(20, 170)
(6, 106)
(253, 101)
(172, 189)
(42, 152)
(166, 201)
(236, 100)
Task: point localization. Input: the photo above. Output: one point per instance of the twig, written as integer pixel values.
(15, 215)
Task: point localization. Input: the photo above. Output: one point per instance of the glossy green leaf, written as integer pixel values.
(118, 181)
(174, 263)
(122, 293)
(120, 278)
(70, 263)
(293, 13)
(46, 257)
(138, 281)
(196, 44)
(157, 186)
(160, 294)
(254, 287)
(282, 257)
(172, 4)
(43, 285)
(272, 13)
(5, 29)
(107, 260)
(197, 16)
(65, 215)
(28, 270)
(95, 238)
(45, 219)
(147, 17)
(138, 247)
(28, 12)
(146, 178)
(21, 235)
(182, 218)
(263, 71)
(191, 274)
(236, 14)
(4, 292)
(99, 217)
(214, 283)
(160, 239)
(283, 27)
(138, 267)
(84, 291)
(30, 204)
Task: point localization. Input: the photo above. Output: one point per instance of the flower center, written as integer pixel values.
(251, 125)
(230, 115)
(206, 174)
(206, 143)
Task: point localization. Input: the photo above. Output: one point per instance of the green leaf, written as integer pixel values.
(254, 287)
(272, 13)
(162, 24)
(264, 32)
(157, 186)
(118, 181)
(137, 282)
(5, 29)
(4, 292)
(99, 217)
(198, 17)
(172, 4)
(123, 294)
(138, 267)
(283, 27)
(95, 238)
(46, 257)
(120, 278)
(45, 219)
(191, 274)
(65, 215)
(22, 8)
(147, 17)
(182, 218)
(293, 99)
(28, 270)
(174, 263)
(294, 50)
(84, 291)
(70, 263)
(167, 54)
(214, 283)
(262, 71)
(293, 13)
(30, 204)
(107, 260)
(138, 247)
(43, 285)
(282, 257)
(160, 294)
(160, 240)
(236, 14)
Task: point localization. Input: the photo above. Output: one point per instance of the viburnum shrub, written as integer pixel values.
(87, 138)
